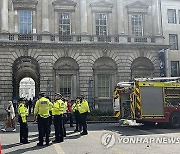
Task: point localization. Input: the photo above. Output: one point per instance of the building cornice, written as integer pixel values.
(25, 4)
(64, 5)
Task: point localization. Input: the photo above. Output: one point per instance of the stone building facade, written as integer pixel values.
(171, 32)
(78, 46)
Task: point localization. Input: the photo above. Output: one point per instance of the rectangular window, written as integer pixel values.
(65, 85)
(171, 16)
(137, 24)
(103, 86)
(64, 24)
(25, 22)
(173, 41)
(174, 68)
(179, 16)
(101, 24)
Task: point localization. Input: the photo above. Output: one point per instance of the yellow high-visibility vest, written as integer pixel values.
(84, 107)
(59, 107)
(42, 107)
(23, 112)
(76, 106)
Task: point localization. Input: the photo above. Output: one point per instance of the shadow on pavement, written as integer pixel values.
(10, 145)
(18, 151)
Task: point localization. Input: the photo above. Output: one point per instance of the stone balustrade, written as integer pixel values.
(48, 38)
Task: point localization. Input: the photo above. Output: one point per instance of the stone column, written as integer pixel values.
(83, 10)
(4, 16)
(34, 22)
(45, 16)
(157, 17)
(120, 16)
(16, 21)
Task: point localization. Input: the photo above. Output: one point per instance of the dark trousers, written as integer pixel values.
(64, 122)
(23, 132)
(43, 128)
(77, 118)
(70, 118)
(83, 119)
(58, 126)
(50, 123)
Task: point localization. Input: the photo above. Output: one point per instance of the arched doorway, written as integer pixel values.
(142, 67)
(25, 67)
(27, 88)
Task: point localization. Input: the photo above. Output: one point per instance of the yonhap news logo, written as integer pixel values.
(108, 140)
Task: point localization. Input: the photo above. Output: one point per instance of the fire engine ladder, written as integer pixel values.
(160, 79)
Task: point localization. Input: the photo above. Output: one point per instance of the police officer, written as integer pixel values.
(41, 113)
(83, 110)
(22, 119)
(58, 111)
(75, 108)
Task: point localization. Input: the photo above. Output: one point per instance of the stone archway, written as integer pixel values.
(142, 67)
(25, 67)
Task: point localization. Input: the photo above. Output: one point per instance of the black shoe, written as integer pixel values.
(55, 141)
(84, 133)
(39, 144)
(71, 126)
(47, 143)
(61, 141)
(26, 142)
(75, 130)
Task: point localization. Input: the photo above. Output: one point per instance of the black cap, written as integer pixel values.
(58, 94)
(82, 97)
(22, 99)
(42, 94)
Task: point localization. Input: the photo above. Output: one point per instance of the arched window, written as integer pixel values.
(66, 77)
(104, 70)
(142, 67)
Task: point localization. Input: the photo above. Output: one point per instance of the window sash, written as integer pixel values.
(64, 24)
(137, 24)
(25, 22)
(174, 68)
(172, 16)
(104, 86)
(65, 85)
(179, 16)
(101, 24)
(173, 41)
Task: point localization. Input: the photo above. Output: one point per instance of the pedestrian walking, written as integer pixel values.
(41, 114)
(57, 112)
(84, 110)
(10, 119)
(22, 119)
(75, 108)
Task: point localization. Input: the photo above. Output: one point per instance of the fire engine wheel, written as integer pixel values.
(175, 120)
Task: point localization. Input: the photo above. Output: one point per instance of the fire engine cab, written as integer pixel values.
(149, 100)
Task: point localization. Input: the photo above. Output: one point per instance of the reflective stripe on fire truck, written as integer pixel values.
(117, 114)
(137, 93)
(132, 105)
